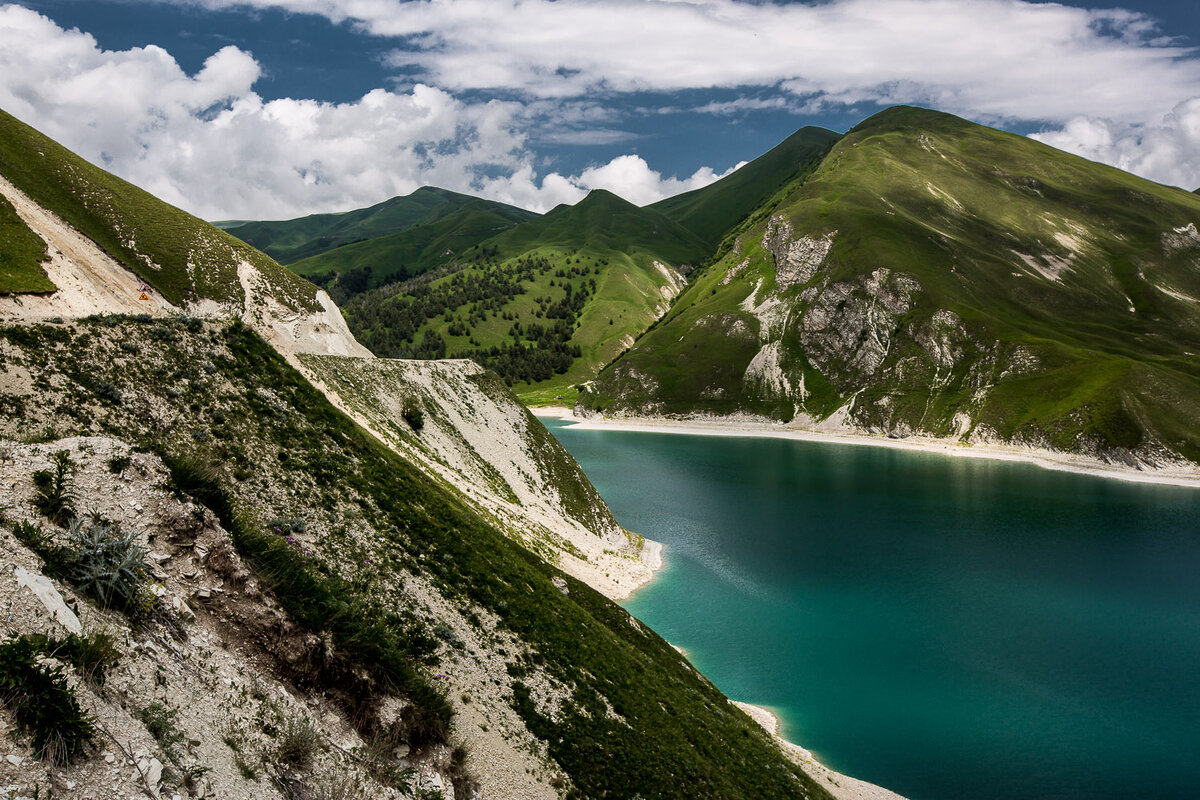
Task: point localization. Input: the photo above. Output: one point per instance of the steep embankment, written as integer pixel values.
(87, 280)
(936, 277)
(399, 622)
(461, 425)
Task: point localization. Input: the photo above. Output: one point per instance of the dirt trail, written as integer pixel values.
(89, 281)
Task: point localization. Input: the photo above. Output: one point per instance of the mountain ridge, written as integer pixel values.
(925, 265)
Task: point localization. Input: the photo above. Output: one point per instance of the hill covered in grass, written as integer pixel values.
(940, 277)
(350, 269)
(714, 210)
(184, 258)
(546, 303)
(431, 217)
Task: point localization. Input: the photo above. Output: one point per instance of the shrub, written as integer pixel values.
(422, 727)
(414, 416)
(106, 564)
(43, 706)
(92, 655)
(160, 722)
(118, 464)
(298, 742)
(52, 489)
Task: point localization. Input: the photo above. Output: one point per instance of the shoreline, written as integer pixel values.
(748, 428)
(842, 787)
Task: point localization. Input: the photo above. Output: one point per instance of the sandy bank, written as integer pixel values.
(1047, 459)
(843, 787)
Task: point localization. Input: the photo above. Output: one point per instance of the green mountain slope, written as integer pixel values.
(21, 255)
(183, 257)
(937, 276)
(417, 249)
(293, 240)
(380, 590)
(604, 223)
(546, 303)
(714, 210)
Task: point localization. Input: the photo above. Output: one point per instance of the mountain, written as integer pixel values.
(294, 240)
(410, 252)
(223, 579)
(183, 259)
(714, 210)
(939, 277)
(548, 302)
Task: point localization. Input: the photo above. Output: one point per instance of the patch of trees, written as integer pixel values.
(394, 322)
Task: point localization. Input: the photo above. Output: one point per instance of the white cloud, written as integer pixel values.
(631, 178)
(1167, 150)
(1002, 59)
(208, 143)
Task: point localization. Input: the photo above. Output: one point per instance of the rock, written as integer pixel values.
(181, 608)
(154, 773)
(41, 588)
(109, 758)
(560, 584)
(15, 760)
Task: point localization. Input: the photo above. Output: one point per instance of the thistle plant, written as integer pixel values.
(106, 563)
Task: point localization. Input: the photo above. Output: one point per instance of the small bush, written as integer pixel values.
(92, 655)
(52, 489)
(414, 416)
(107, 564)
(108, 391)
(42, 704)
(422, 728)
(161, 723)
(118, 464)
(298, 742)
(31, 535)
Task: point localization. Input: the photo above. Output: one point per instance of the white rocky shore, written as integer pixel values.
(1170, 474)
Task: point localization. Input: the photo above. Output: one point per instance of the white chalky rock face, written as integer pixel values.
(797, 259)
(41, 588)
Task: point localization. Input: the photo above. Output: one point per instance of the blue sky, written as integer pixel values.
(274, 108)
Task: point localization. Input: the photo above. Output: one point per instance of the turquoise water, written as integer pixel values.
(947, 628)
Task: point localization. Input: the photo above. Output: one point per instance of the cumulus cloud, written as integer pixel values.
(1166, 150)
(1002, 59)
(208, 143)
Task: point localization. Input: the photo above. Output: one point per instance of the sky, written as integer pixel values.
(271, 109)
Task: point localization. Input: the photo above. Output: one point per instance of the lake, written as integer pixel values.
(948, 628)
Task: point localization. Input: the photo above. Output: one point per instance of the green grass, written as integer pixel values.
(955, 205)
(22, 253)
(183, 257)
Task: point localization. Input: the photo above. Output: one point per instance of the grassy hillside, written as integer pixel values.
(21, 255)
(714, 210)
(938, 276)
(294, 240)
(183, 257)
(546, 303)
(417, 249)
(386, 573)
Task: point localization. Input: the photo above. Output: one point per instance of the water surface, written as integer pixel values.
(948, 628)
